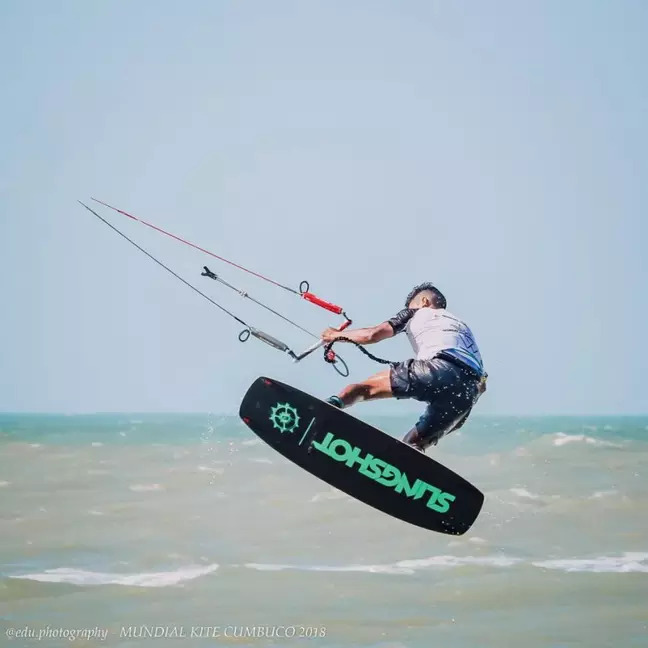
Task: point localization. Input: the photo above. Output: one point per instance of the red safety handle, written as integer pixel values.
(346, 324)
(314, 299)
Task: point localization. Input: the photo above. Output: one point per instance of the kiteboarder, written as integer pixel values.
(447, 371)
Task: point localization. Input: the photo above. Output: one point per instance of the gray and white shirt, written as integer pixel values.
(432, 330)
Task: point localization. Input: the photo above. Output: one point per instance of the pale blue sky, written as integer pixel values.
(499, 149)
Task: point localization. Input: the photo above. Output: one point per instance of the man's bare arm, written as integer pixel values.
(369, 335)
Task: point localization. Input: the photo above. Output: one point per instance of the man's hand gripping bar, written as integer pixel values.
(320, 343)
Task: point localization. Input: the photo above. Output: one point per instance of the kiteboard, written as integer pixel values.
(359, 459)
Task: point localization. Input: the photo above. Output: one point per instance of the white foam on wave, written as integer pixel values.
(210, 469)
(252, 442)
(400, 567)
(144, 579)
(145, 488)
(4, 483)
(561, 439)
(472, 540)
(523, 492)
(604, 493)
(269, 567)
(96, 444)
(460, 561)
(628, 562)
(371, 569)
(262, 460)
(332, 494)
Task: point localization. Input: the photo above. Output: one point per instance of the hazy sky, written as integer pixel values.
(499, 149)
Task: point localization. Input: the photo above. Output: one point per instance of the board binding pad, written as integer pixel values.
(359, 459)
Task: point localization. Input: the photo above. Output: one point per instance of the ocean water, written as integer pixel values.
(188, 530)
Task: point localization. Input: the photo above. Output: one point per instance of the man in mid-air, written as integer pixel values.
(447, 372)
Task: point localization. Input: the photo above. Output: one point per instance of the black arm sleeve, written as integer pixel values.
(399, 321)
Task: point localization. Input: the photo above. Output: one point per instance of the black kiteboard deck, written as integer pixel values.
(360, 459)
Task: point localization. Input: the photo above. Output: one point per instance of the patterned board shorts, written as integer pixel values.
(449, 388)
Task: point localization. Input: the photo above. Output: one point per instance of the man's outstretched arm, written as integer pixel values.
(369, 335)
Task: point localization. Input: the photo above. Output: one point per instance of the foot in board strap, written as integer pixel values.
(336, 401)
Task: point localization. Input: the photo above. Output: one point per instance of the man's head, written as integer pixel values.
(425, 295)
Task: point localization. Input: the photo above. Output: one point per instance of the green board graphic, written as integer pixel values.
(359, 459)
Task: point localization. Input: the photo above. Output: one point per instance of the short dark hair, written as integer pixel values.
(439, 300)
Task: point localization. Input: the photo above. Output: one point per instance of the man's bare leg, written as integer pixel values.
(423, 442)
(414, 438)
(374, 387)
